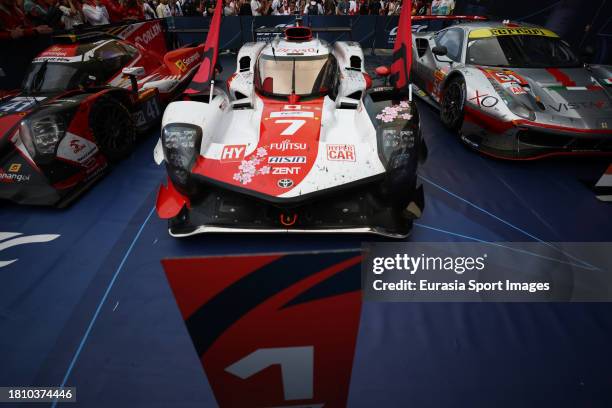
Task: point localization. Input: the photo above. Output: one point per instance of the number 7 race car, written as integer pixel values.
(83, 103)
(298, 142)
(514, 91)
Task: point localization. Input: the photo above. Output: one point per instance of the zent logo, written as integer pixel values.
(233, 153)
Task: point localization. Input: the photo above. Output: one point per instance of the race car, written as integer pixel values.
(297, 141)
(514, 91)
(83, 103)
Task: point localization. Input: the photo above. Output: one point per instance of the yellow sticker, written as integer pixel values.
(496, 32)
(14, 168)
(181, 65)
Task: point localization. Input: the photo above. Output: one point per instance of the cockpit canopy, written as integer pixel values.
(281, 76)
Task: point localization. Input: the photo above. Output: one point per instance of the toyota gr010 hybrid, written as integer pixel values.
(298, 142)
(83, 102)
(514, 91)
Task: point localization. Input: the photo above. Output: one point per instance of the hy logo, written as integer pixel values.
(11, 239)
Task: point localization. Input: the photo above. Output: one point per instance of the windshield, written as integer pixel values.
(282, 76)
(521, 51)
(46, 77)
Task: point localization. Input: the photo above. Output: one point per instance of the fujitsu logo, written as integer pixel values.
(287, 145)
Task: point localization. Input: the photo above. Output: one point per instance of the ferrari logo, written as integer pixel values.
(14, 168)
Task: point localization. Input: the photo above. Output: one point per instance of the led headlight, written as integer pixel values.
(41, 134)
(181, 144)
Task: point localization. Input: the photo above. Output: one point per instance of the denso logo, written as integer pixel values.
(286, 159)
(149, 35)
(287, 145)
(233, 153)
(341, 152)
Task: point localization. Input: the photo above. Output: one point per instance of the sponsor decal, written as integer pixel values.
(287, 145)
(12, 239)
(232, 153)
(564, 107)
(390, 113)
(285, 183)
(341, 152)
(286, 170)
(184, 63)
(292, 114)
(20, 104)
(518, 90)
(484, 100)
(14, 168)
(149, 35)
(248, 168)
(286, 159)
(76, 146)
(495, 32)
(13, 175)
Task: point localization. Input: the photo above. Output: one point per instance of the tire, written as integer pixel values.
(452, 104)
(113, 128)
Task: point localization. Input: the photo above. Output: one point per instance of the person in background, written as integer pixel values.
(330, 7)
(419, 8)
(134, 10)
(364, 7)
(163, 10)
(275, 7)
(15, 24)
(352, 7)
(72, 14)
(256, 8)
(95, 13)
(229, 8)
(244, 8)
(208, 7)
(175, 8)
(313, 8)
(376, 7)
(149, 10)
(342, 8)
(392, 8)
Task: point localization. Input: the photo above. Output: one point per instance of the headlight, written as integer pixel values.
(181, 143)
(40, 135)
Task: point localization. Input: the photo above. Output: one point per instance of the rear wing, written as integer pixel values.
(271, 31)
(439, 22)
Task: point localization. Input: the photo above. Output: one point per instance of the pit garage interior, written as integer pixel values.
(92, 308)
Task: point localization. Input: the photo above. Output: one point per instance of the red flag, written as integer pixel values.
(211, 51)
(402, 49)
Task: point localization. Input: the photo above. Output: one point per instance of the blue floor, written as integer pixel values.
(92, 308)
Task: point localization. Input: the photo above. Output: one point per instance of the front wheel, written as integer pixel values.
(113, 128)
(453, 102)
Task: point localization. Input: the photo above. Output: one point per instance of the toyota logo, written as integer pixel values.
(285, 183)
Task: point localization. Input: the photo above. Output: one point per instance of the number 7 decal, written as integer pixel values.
(295, 125)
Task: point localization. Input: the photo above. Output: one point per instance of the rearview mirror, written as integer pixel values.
(133, 71)
(439, 50)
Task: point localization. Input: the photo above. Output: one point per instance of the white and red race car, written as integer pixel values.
(298, 141)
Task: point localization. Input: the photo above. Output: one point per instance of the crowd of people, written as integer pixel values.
(20, 18)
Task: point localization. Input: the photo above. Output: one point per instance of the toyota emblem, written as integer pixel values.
(285, 183)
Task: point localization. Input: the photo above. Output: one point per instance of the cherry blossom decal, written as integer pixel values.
(248, 168)
(390, 113)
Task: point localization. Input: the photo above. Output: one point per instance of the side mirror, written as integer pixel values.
(382, 71)
(134, 73)
(588, 52)
(137, 72)
(439, 50)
